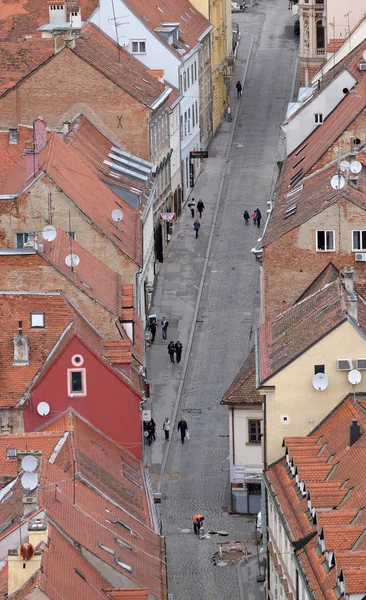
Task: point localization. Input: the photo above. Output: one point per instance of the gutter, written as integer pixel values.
(206, 32)
(176, 102)
(161, 98)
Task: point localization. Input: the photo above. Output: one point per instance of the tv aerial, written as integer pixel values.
(320, 381)
(29, 463)
(29, 481)
(72, 260)
(354, 377)
(117, 215)
(355, 166)
(43, 408)
(337, 182)
(49, 233)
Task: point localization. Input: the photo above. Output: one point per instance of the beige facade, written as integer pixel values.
(293, 407)
(312, 38)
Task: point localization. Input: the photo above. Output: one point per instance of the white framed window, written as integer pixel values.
(138, 46)
(325, 240)
(76, 382)
(193, 119)
(181, 83)
(181, 127)
(195, 71)
(37, 320)
(318, 118)
(192, 73)
(185, 124)
(184, 81)
(196, 111)
(189, 120)
(188, 78)
(21, 239)
(359, 240)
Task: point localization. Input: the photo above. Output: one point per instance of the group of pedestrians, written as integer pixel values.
(175, 349)
(200, 208)
(151, 430)
(239, 91)
(164, 329)
(256, 216)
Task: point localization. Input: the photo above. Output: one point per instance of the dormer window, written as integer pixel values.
(37, 320)
(138, 47)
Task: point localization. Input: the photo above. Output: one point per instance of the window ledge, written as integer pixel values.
(253, 443)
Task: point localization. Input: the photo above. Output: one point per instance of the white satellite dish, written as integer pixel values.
(29, 481)
(337, 182)
(49, 233)
(123, 41)
(117, 215)
(43, 408)
(354, 376)
(344, 165)
(356, 166)
(29, 463)
(364, 54)
(72, 260)
(320, 381)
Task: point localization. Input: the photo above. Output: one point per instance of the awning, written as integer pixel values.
(171, 216)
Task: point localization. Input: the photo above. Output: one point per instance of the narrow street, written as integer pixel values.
(238, 175)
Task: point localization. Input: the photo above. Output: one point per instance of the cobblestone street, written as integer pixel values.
(196, 475)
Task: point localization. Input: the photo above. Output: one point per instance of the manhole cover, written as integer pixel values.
(223, 532)
(212, 532)
(221, 563)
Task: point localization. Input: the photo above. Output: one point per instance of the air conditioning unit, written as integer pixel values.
(360, 363)
(360, 256)
(344, 364)
(363, 66)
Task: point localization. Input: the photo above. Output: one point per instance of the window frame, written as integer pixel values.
(258, 435)
(138, 42)
(318, 118)
(25, 238)
(319, 369)
(70, 391)
(360, 232)
(38, 314)
(325, 231)
(184, 82)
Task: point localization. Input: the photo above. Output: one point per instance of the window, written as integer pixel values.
(188, 78)
(195, 71)
(189, 120)
(193, 119)
(37, 319)
(325, 241)
(196, 112)
(185, 124)
(318, 118)
(71, 234)
(122, 524)
(192, 74)
(254, 431)
(180, 83)
(184, 81)
(139, 47)
(181, 127)
(359, 240)
(76, 382)
(319, 369)
(22, 239)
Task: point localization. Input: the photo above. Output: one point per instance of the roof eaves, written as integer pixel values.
(159, 101)
(27, 76)
(205, 33)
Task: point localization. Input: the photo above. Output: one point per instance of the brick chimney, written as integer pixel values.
(354, 432)
(351, 294)
(57, 12)
(21, 348)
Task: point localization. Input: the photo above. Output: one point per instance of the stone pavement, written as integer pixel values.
(209, 291)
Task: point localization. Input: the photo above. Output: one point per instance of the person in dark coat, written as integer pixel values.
(258, 218)
(153, 326)
(196, 226)
(239, 89)
(171, 350)
(246, 217)
(192, 204)
(151, 432)
(200, 207)
(183, 428)
(178, 350)
(164, 329)
(154, 429)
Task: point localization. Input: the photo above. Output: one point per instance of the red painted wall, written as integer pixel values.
(110, 405)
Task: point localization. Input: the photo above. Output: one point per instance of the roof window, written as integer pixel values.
(124, 565)
(13, 136)
(123, 544)
(119, 522)
(37, 320)
(80, 574)
(105, 548)
(11, 453)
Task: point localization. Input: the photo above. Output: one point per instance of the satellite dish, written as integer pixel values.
(364, 54)
(356, 166)
(49, 233)
(29, 481)
(43, 409)
(117, 215)
(320, 381)
(72, 260)
(29, 463)
(123, 41)
(354, 376)
(337, 182)
(344, 165)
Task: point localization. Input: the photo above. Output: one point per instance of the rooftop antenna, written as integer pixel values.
(348, 29)
(116, 25)
(49, 233)
(50, 207)
(333, 25)
(43, 408)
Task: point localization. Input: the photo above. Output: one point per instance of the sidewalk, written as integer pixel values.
(180, 280)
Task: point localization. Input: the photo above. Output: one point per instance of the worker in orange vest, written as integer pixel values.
(197, 520)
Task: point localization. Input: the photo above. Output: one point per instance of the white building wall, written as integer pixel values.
(245, 452)
(147, 274)
(189, 117)
(174, 135)
(303, 124)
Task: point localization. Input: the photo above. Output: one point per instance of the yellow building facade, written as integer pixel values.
(219, 14)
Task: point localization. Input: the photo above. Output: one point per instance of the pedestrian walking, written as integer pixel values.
(200, 207)
(154, 429)
(150, 432)
(258, 217)
(192, 204)
(239, 89)
(178, 350)
(290, 4)
(246, 217)
(171, 350)
(254, 217)
(197, 521)
(164, 329)
(183, 428)
(196, 226)
(228, 113)
(153, 326)
(166, 428)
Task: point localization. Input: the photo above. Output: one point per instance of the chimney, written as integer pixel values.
(354, 432)
(348, 279)
(75, 19)
(66, 127)
(57, 12)
(22, 564)
(38, 532)
(21, 347)
(31, 164)
(65, 39)
(39, 134)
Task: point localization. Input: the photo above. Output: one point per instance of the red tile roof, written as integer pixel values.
(18, 59)
(12, 154)
(243, 389)
(129, 594)
(102, 53)
(329, 274)
(192, 24)
(44, 442)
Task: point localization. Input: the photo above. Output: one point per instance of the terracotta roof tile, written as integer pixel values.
(102, 53)
(355, 579)
(45, 442)
(129, 594)
(18, 59)
(329, 274)
(243, 389)
(12, 154)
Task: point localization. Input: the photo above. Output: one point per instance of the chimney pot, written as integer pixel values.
(348, 279)
(355, 432)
